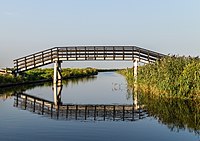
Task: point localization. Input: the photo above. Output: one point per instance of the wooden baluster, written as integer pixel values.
(85, 112)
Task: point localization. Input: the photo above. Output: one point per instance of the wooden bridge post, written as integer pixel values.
(57, 73)
(57, 82)
(135, 88)
(135, 97)
(135, 67)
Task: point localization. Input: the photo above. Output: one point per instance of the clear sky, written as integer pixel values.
(166, 26)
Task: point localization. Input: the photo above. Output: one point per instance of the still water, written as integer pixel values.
(99, 108)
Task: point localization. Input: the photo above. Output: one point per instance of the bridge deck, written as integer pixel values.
(83, 53)
(78, 112)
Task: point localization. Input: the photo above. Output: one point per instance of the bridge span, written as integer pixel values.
(83, 53)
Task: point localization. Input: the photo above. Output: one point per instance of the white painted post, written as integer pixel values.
(57, 81)
(135, 69)
(55, 72)
(135, 97)
(135, 90)
(57, 94)
(59, 78)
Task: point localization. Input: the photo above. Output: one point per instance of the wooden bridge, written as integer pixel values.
(84, 112)
(83, 53)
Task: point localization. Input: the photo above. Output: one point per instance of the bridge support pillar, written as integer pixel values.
(135, 96)
(135, 86)
(135, 67)
(57, 82)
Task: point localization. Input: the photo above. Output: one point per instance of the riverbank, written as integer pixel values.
(43, 75)
(108, 70)
(172, 76)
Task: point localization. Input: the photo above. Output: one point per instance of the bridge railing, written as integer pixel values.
(85, 53)
(35, 60)
(108, 53)
(78, 112)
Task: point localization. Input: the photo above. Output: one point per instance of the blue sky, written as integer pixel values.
(166, 26)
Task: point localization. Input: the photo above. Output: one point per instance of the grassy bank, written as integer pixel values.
(172, 76)
(45, 74)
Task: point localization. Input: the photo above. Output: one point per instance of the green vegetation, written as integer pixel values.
(45, 74)
(172, 76)
(39, 74)
(8, 78)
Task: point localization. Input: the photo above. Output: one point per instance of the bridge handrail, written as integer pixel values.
(33, 54)
(47, 56)
(136, 48)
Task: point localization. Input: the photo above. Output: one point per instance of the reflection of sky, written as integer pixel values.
(100, 90)
(170, 26)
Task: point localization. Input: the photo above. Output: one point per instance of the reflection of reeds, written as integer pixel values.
(76, 81)
(171, 76)
(10, 90)
(177, 114)
(6, 96)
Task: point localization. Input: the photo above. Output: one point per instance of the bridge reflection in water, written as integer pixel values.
(84, 112)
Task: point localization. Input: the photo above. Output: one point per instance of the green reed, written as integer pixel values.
(172, 76)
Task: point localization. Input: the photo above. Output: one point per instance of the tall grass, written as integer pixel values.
(172, 76)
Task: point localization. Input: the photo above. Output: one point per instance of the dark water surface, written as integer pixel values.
(150, 119)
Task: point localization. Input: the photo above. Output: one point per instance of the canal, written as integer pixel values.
(97, 108)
